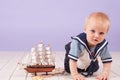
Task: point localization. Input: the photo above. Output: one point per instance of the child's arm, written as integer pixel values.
(105, 73)
(74, 72)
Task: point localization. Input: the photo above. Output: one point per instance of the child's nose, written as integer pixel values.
(96, 35)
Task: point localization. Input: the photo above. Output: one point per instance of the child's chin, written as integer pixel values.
(94, 44)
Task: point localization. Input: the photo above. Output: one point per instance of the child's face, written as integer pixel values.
(95, 34)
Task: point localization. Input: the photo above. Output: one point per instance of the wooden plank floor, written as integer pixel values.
(11, 70)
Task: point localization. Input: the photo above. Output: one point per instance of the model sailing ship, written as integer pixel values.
(41, 60)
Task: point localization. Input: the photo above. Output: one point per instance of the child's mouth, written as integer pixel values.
(95, 40)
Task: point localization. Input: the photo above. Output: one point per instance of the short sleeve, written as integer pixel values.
(75, 50)
(105, 55)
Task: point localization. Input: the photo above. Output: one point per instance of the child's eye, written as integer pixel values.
(93, 31)
(101, 33)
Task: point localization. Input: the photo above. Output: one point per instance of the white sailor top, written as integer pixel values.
(81, 53)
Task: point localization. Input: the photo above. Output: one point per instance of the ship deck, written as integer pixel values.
(11, 70)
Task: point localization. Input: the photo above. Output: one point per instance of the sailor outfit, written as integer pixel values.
(80, 52)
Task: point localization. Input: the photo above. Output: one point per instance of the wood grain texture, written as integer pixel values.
(11, 70)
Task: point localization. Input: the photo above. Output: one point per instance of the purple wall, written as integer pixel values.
(24, 23)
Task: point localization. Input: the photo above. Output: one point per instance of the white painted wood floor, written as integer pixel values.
(11, 70)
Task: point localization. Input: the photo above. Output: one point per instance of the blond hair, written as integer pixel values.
(99, 19)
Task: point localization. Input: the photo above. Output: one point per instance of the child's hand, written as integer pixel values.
(78, 77)
(103, 76)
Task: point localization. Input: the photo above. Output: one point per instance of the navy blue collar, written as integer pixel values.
(82, 39)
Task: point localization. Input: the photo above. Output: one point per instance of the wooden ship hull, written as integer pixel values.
(39, 68)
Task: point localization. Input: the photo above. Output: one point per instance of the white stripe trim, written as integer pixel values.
(101, 47)
(73, 57)
(106, 60)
